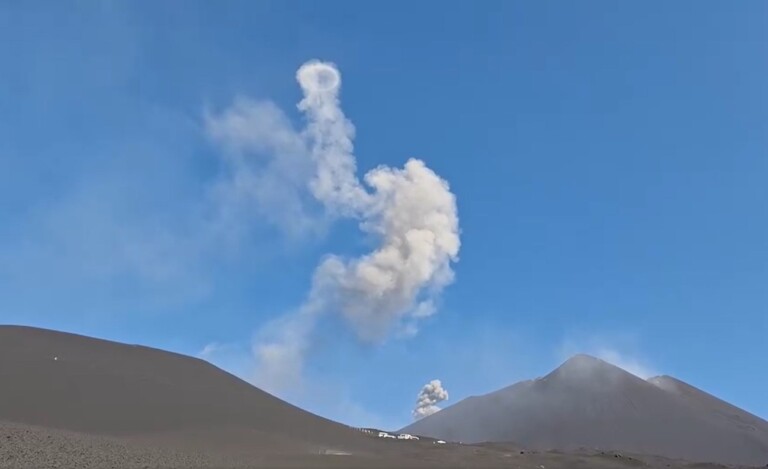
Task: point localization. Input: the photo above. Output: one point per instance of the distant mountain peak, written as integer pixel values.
(590, 403)
(582, 362)
(587, 370)
(583, 359)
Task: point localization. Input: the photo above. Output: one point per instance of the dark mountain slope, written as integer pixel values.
(705, 402)
(71, 382)
(589, 403)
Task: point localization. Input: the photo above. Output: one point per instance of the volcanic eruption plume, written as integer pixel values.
(410, 211)
(430, 395)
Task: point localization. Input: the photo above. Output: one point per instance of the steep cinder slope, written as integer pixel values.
(71, 382)
(705, 402)
(590, 403)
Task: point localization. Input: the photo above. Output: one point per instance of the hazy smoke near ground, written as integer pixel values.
(431, 394)
(280, 348)
(410, 211)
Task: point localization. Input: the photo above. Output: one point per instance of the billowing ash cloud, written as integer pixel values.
(431, 394)
(414, 214)
(411, 211)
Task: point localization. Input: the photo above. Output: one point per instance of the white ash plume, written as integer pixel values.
(431, 394)
(411, 211)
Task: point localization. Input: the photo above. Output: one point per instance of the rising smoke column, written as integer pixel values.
(329, 135)
(410, 211)
(431, 394)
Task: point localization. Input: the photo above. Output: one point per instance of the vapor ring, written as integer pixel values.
(318, 77)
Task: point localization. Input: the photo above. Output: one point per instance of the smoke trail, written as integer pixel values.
(330, 135)
(431, 394)
(410, 210)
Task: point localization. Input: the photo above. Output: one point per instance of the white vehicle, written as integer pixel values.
(405, 436)
(385, 435)
(440, 442)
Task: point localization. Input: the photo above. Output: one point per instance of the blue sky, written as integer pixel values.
(609, 162)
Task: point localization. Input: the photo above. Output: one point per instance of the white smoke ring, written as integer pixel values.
(318, 77)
